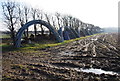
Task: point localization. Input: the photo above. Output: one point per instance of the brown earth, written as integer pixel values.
(63, 63)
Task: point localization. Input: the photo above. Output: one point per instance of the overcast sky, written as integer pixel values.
(103, 13)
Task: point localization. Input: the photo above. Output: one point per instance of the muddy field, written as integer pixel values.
(95, 58)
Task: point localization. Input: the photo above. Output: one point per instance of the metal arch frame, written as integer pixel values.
(22, 29)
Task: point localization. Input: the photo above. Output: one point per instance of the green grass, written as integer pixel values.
(7, 48)
(32, 47)
(38, 46)
(4, 36)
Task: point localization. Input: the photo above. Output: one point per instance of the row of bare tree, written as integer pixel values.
(15, 15)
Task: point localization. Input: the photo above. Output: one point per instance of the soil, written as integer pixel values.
(63, 63)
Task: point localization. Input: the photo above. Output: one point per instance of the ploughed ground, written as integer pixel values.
(66, 62)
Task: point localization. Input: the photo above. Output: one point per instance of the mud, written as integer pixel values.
(66, 62)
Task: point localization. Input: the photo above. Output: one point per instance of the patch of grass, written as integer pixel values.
(32, 47)
(38, 46)
(4, 36)
(7, 48)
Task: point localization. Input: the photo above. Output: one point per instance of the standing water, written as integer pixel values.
(96, 71)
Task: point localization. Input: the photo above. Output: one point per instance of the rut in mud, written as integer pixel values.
(67, 62)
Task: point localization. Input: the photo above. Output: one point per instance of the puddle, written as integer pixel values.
(96, 71)
(66, 53)
(94, 39)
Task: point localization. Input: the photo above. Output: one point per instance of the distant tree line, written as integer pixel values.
(15, 15)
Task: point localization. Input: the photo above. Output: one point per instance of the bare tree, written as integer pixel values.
(40, 16)
(34, 14)
(58, 15)
(91, 27)
(48, 17)
(10, 17)
(65, 20)
(21, 17)
(53, 20)
(70, 20)
(26, 14)
(20, 13)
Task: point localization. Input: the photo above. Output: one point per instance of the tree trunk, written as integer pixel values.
(42, 31)
(12, 31)
(13, 36)
(27, 33)
(35, 29)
